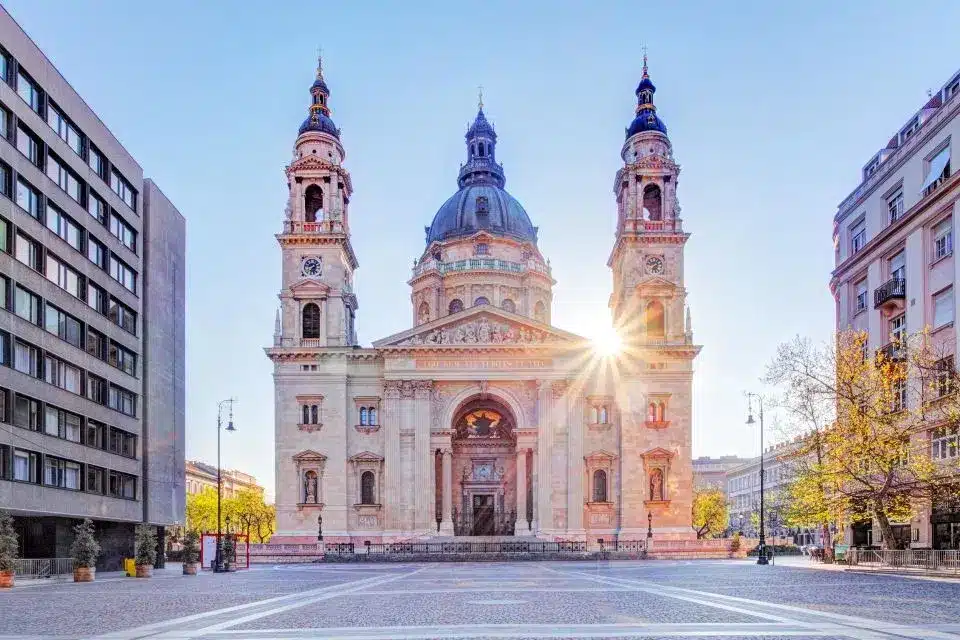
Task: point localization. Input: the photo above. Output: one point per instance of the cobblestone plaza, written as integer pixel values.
(648, 599)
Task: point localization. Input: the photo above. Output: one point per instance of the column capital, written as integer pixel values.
(422, 389)
(391, 388)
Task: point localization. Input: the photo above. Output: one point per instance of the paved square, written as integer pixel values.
(729, 599)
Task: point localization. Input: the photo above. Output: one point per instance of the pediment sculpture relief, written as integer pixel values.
(481, 331)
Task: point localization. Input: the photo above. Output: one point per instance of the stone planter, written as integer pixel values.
(84, 574)
(6, 579)
(190, 568)
(144, 570)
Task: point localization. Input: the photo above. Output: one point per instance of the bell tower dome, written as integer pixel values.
(317, 303)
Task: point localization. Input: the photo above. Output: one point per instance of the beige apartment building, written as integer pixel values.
(896, 271)
(201, 476)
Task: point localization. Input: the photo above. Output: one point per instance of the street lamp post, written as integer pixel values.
(762, 546)
(649, 524)
(218, 562)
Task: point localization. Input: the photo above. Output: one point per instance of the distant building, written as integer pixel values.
(895, 274)
(712, 472)
(92, 264)
(201, 475)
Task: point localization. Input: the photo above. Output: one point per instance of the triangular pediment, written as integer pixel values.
(657, 284)
(309, 455)
(657, 453)
(480, 326)
(310, 288)
(600, 455)
(366, 456)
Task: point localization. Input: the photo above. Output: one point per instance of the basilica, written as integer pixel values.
(482, 418)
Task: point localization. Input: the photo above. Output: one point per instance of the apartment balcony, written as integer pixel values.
(891, 294)
(893, 351)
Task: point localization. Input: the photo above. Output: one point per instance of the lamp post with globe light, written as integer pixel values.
(218, 562)
(762, 545)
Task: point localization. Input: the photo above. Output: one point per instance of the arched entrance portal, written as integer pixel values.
(484, 469)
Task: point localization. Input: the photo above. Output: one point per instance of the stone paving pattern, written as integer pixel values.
(505, 600)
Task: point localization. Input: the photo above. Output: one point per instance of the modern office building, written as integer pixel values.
(202, 476)
(92, 261)
(895, 274)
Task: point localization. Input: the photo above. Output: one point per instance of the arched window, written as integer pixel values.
(652, 412)
(314, 414)
(306, 415)
(603, 414)
(367, 487)
(652, 202)
(599, 486)
(311, 320)
(540, 312)
(481, 300)
(481, 149)
(363, 415)
(456, 305)
(423, 313)
(654, 319)
(661, 411)
(313, 204)
(508, 305)
(372, 415)
(594, 415)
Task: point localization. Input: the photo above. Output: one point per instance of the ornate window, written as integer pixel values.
(368, 409)
(480, 300)
(654, 319)
(508, 305)
(540, 312)
(313, 204)
(368, 488)
(600, 486)
(483, 205)
(311, 414)
(456, 305)
(481, 249)
(311, 321)
(652, 206)
(363, 415)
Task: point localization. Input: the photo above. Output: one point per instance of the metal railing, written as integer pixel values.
(441, 548)
(37, 568)
(480, 264)
(892, 289)
(924, 560)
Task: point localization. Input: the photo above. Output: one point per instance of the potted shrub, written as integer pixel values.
(228, 550)
(9, 549)
(146, 550)
(84, 551)
(191, 553)
(735, 545)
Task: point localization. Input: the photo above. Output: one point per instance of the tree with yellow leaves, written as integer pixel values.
(709, 512)
(860, 456)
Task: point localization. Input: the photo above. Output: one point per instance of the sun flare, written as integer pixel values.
(607, 341)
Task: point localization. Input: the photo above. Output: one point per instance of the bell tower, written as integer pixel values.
(648, 301)
(317, 303)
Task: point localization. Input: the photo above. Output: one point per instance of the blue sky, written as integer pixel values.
(772, 110)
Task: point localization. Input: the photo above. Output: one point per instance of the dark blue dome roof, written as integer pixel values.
(459, 216)
(318, 121)
(319, 84)
(646, 120)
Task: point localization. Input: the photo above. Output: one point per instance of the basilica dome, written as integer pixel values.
(481, 203)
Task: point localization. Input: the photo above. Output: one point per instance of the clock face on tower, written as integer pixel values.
(312, 267)
(654, 265)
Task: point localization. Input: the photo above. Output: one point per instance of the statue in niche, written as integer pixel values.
(310, 488)
(656, 485)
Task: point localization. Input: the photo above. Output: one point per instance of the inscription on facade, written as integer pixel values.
(483, 364)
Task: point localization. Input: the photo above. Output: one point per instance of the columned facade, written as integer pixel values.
(483, 419)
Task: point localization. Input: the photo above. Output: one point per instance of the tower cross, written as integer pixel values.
(480, 96)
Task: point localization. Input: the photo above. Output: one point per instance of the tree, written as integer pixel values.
(145, 539)
(201, 511)
(858, 413)
(9, 543)
(247, 511)
(85, 548)
(709, 512)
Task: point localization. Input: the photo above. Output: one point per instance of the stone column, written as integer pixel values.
(392, 462)
(423, 459)
(446, 523)
(575, 464)
(545, 450)
(521, 527)
(535, 524)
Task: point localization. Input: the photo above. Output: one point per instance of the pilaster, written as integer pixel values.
(543, 498)
(392, 462)
(423, 460)
(575, 427)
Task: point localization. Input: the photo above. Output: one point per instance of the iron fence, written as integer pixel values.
(925, 560)
(441, 548)
(37, 568)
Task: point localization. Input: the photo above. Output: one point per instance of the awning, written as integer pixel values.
(937, 165)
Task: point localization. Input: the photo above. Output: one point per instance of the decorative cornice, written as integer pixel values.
(310, 428)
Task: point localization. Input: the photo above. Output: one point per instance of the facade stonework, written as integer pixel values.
(482, 419)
